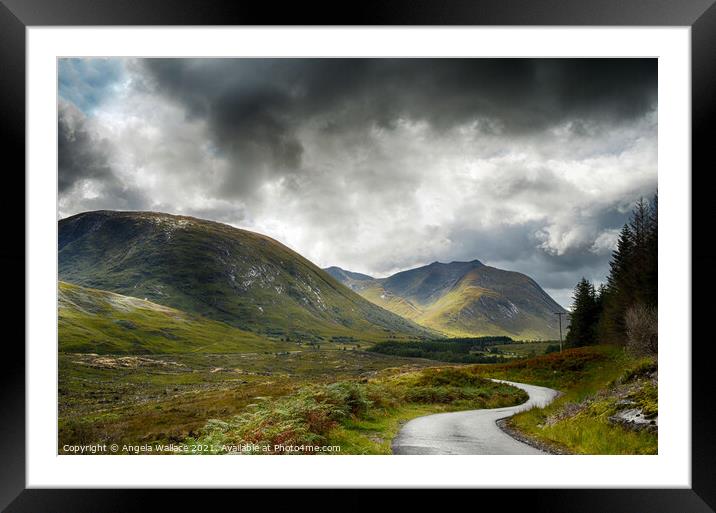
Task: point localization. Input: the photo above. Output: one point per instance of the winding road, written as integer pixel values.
(469, 432)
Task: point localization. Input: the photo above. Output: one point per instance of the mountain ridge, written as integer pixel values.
(467, 299)
(227, 274)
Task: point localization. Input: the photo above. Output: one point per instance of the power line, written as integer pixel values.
(560, 314)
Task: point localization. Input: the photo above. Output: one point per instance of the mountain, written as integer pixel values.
(238, 277)
(97, 321)
(355, 281)
(465, 299)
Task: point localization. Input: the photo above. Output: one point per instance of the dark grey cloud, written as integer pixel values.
(84, 165)
(515, 243)
(518, 93)
(256, 108)
(80, 155)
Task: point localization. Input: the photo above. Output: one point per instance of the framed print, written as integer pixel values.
(417, 248)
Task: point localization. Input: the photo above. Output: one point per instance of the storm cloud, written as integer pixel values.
(375, 165)
(80, 155)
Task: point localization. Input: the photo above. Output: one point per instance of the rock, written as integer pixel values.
(635, 419)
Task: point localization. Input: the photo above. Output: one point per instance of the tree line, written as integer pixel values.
(623, 310)
(453, 350)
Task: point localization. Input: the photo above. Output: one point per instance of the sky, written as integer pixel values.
(373, 165)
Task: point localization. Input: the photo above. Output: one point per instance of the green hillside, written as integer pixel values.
(467, 299)
(245, 279)
(95, 321)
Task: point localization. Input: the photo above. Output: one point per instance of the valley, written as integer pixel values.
(178, 330)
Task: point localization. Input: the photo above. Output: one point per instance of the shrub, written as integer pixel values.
(433, 394)
(296, 420)
(642, 370)
(642, 330)
(349, 395)
(449, 376)
(381, 396)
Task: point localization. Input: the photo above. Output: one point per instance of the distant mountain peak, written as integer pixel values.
(465, 299)
(455, 262)
(352, 280)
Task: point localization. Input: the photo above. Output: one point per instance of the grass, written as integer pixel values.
(356, 417)
(97, 321)
(374, 433)
(595, 382)
(527, 349)
(171, 396)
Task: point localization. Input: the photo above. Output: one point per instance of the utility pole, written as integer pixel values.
(560, 314)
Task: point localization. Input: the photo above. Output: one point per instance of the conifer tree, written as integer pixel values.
(585, 316)
(652, 268)
(633, 276)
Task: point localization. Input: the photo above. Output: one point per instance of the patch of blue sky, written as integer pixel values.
(87, 82)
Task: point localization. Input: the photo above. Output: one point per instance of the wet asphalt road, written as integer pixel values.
(469, 432)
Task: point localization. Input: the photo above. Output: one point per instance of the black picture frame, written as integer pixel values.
(17, 15)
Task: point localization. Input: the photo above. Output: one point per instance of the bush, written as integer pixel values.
(450, 376)
(304, 418)
(350, 395)
(642, 330)
(434, 394)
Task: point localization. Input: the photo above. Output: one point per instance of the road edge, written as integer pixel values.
(547, 448)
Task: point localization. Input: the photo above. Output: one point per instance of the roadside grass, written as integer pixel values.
(374, 433)
(360, 417)
(595, 381)
(573, 371)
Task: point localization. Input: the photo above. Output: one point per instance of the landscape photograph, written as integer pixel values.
(357, 256)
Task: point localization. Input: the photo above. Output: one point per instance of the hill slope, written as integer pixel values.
(103, 322)
(223, 273)
(466, 299)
